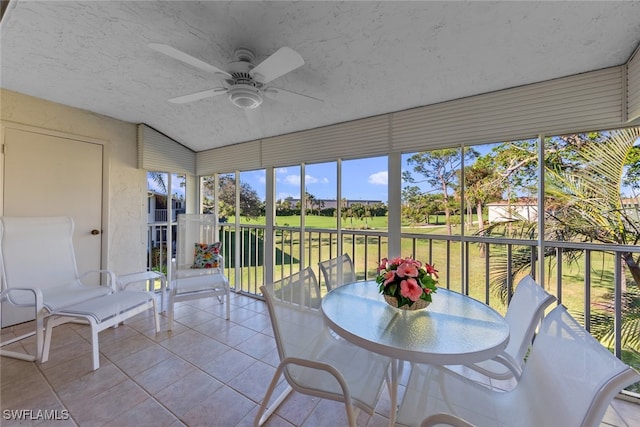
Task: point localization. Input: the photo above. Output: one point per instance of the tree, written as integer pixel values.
(583, 203)
(158, 179)
(482, 185)
(250, 204)
(439, 168)
(418, 207)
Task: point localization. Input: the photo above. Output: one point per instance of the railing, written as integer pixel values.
(467, 264)
(160, 215)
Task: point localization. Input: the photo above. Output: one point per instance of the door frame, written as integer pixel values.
(106, 163)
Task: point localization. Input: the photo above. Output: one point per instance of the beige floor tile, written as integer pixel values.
(208, 371)
(224, 408)
(163, 374)
(148, 413)
(188, 392)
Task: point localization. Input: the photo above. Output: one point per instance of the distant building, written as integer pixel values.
(503, 210)
(333, 203)
(527, 208)
(632, 207)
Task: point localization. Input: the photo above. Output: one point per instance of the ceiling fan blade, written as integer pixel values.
(254, 117)
(186, 58)
(280, 63)
(199, 95)
(290, 97)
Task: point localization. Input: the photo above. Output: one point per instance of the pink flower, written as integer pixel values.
(382, 265)
(407, 269)
(432, 271)
(389, 277)
(410, 289)
(396, 261)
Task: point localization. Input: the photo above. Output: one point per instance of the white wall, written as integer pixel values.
(126, 211)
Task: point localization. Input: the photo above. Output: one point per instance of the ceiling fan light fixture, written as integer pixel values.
(245, 96)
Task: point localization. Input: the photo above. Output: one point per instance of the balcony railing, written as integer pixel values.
(160, 215)
(466, 264)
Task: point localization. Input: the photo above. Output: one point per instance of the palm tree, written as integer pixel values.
(583, 203)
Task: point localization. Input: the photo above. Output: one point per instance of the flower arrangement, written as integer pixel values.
(407, 280)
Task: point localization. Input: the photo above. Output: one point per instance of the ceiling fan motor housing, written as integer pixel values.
(245, 96)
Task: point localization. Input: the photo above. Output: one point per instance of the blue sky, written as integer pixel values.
(362, 179)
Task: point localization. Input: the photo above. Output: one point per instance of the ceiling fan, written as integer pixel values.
(244, 83)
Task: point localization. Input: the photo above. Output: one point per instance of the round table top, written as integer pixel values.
(453, 330)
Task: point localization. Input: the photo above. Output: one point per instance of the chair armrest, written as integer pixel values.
(125, 280)
(505, 360)
(37, 296)
(312, 364)
(113, 283)
(443, 418)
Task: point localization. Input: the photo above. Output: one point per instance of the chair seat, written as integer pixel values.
(102, 313)
(569, 379)
(355, 364)
(312, 360)
(197, 249)
(55, 299)
(198, 281)
(108, 306)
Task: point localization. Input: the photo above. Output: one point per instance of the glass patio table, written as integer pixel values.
(453, 330)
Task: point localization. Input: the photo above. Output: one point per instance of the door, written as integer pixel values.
(51, 175)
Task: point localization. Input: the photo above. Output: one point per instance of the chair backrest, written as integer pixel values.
(293, 308)
(299, 289)
(570, 378)
(192, 230)
(524, 313)
(37, 252)
(337, 271)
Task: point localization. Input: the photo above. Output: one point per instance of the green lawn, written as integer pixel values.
(366, 251)
(366, 258)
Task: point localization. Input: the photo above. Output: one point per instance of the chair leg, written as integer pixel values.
(156, 317)
(95, 346)
(17, 355)
(39, 336)
(263, 413)
(170, 308)
(52, 322)
(228, 294)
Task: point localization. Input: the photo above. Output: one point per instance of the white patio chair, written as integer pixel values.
(194, 274)
(312, 361)
(524, 313)
(337, 271)
(569, 380)
(38, 267)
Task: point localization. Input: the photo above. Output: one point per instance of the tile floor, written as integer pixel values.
(206, 372)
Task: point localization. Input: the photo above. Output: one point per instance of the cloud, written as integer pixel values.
(292, 179)
(281, 170)
(379, 178)
(308, 179)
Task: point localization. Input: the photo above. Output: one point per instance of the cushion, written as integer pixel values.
(206, 255)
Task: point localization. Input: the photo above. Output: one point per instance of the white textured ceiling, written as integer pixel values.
(361, 58)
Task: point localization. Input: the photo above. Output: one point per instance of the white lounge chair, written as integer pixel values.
(569, 379)
(337, 271)
(39, 270)
(312, 361)
(194, 275)
(38, 267)
(524, 313)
